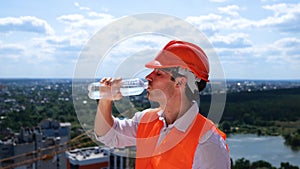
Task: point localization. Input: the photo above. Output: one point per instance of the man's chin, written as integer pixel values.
(155, 97)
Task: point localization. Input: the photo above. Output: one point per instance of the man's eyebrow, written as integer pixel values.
(167, 72)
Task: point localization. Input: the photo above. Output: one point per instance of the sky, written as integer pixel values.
(253, 39)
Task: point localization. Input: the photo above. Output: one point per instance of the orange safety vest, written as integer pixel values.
(176, 151)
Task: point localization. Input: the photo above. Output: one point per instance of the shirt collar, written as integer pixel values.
(185, 120)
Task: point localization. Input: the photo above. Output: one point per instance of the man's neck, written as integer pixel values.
(175, 109)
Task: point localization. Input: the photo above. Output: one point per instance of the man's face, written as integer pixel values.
(160, 85)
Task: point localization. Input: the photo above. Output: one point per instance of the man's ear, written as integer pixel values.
(181, 81)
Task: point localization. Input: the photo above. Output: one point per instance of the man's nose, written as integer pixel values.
(149, 76)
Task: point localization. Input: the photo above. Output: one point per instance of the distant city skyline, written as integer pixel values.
(257, 39)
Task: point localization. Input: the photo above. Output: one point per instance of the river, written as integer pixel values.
(267, 148)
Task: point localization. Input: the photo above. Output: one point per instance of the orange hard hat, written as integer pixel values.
(185, 55)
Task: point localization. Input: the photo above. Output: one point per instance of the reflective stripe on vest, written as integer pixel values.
(176, 151)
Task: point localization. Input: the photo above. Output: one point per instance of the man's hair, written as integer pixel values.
(196, 94)
(192, 95)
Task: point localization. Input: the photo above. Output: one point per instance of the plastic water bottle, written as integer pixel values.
(129, 87)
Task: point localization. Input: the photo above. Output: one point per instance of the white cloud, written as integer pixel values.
(230, 10)
(59, 49)
(207, 23)
(79, 25)
(11, 51)
(100, 15)
(234, 40)
(81, 7)
(285, 50)
(213, 23)
(130, 55)
(241, 38)
(283, 8)
(137, 43)
(219, 1)
(58, 43)
(25, 24)
(78, 29)
(70, 18)
(286, 17)
(290, 43)
(40, 50)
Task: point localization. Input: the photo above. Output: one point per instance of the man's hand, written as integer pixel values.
(110, 88)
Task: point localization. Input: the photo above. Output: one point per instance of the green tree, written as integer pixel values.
(287, 165)
(225, 126)
(261, 165)
(241, 163)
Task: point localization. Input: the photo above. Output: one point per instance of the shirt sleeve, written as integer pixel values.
(122, 133)
(211, 153)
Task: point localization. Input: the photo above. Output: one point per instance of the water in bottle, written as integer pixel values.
(129, 87)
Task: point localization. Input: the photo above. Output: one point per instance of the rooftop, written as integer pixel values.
(88, 155)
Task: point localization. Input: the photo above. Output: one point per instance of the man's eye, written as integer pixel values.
(157, 72)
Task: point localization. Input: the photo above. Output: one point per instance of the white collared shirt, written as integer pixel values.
(211, 152)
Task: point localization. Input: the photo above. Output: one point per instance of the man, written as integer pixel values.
(175, 135)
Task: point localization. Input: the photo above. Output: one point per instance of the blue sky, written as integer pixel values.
(256, 39)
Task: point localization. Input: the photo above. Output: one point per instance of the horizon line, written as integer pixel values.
(68, 78)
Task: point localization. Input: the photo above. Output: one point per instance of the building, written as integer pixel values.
(101, 158)
(37, 147)
(123, 158)
(88, 158)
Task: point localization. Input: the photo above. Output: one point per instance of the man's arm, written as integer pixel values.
(212, 153)
(110, 90)
(103, 120)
